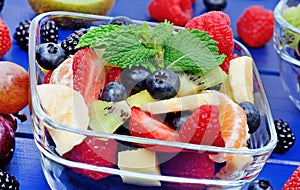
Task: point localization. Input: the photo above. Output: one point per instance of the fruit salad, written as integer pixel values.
(153, 96)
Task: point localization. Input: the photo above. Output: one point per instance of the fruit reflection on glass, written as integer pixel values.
(154, 83)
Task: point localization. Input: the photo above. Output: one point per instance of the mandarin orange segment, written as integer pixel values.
(63, 74)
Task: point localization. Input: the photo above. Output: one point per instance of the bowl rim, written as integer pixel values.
(36, 108)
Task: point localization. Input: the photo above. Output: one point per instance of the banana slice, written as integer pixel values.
(66, 106)
(241, 79)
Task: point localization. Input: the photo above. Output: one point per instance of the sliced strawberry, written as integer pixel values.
(190, 165)
(143, 125)
(202, 127)
(294, 181)
(95, 152)
(113, 74)
(47, 77)
(88, 74)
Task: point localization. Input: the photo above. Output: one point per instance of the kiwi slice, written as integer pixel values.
(108, 116)
(193, 84)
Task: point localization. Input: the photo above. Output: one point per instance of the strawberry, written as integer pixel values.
(5, 39)
(47, 77)
(225, 65)
(189, 165)
(113, 74)
(141, 124)
(202, 127)
(216, 24)
(88, 74)
(294, 181)
(179, 12)
(95, 152)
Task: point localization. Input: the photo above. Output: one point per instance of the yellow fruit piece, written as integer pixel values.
(140, 98)
(241, 79)
(66, 106)
(226, 88)
(142, 161)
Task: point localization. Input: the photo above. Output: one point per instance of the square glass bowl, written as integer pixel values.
(286, 42)
(64, 173)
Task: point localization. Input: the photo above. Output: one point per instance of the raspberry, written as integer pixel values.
(225, 65)
(5, 39)
(256, 25)
(216, 24)
(179, 12)
(294, 181)
(201, 124)
(190, 165)
(95, 152)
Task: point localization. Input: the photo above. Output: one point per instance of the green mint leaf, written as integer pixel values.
(126, 47)
(95, 35)
(191, 50)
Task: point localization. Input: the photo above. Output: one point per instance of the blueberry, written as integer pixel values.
(260, 184)
(177, 119)
(121, 20)
(114, 92)
(253, 116)
(163, 84)
(50, 55)
(134, 78)
(215, 5)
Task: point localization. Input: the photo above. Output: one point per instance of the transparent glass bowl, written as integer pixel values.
(59, 171)
(285, 40)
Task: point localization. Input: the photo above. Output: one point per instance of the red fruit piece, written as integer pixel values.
(7, 141)
(216, 24)
(141, 124)
(190, 165)
(113, 74)
(5, 39)
(225, 65)
(256, 25)
(202, 127)
(179, 12)
(294, 181)
(88, 74)
(95, 152)
(47, 77)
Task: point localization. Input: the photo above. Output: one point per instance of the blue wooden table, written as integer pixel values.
(25, 164)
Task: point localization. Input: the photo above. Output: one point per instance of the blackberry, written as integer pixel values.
(72, 40)
(121, 21)
(21, 34)
(49, 32)
(8, 181)
(286, 137)
(260, 184)
(215, 5)
(1, 5)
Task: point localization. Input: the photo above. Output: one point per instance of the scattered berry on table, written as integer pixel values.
(21, 34)
(121, 20)
(50, 55)
(49, 32)
(260, 184)
(255, 26)
(253, 116)
(286, 137)
(69, 44)
(203, 122)
(114, 92)
(5, 39)
(179, 12)
(8, 181)
(215, 5)
(163, 84)
(195, 165)
(216, 24)
(134, 78)
(225, 65)
(1, 4)
(294, 180)
(95, 152)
